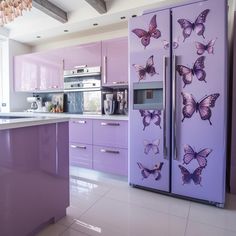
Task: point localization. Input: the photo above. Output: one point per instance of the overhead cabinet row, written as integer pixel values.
(44, 71)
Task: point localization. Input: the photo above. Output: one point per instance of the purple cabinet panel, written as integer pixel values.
(115, 62)
(110, 133)
(81, 131)
(112, 160)
(81, 155)
(30, 189)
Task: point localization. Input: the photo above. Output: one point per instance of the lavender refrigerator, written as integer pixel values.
(178, 100)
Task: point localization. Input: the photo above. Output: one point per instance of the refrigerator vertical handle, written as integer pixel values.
(104, 70)
(164, 108)
(174, 107)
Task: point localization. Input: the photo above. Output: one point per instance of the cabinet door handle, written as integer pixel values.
(79, 121)
(110, 124)
(104, 69)
(109, 151)
(119, 82)
(78, 146)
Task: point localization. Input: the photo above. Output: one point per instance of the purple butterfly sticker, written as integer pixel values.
(148, 69)
(155, 171)
(200, 156)
(209, 47)
(203, 106)
(154, 146)
(187, 176)
(197, 26)
(197, 70)
(148, 116)
(152, 32)
(175, 44)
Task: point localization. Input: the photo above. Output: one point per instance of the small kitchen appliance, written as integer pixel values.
(35, 103)
(109, 104)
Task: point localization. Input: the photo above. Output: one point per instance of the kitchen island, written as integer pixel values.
(34, 173)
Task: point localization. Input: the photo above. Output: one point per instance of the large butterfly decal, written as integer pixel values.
(154, 146)
(195, 176)
(166, 44)
(209, 47)
(197, 26)
(152, 32)
(203, 106)
(151, 116)
(197, 70)
(200, 156)
(155, 171)
(148, 69)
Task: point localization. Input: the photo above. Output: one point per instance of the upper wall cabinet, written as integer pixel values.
(115, 62)
(86, 54)
(38, 72)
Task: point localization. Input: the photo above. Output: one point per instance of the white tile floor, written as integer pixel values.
(107, 206)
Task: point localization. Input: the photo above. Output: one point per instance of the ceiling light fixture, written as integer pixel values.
(10, 9)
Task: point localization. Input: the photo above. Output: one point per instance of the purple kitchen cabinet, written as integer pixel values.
(115, 62)
(29, 188)
(110, 159)
(81, 131)
(85, 54)
(110, 133)
(81, 155)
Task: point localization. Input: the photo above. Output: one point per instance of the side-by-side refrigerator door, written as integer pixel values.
(149, 63)
(199, 101)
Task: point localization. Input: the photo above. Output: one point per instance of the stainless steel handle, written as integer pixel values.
(118, 82)
(174, 108)
(79, 121)
(110, 124)
(165, 150)
(78, 146)
(104, 70)
(109, 151)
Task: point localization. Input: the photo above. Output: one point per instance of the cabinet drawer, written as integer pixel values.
(81, 131)
(111, 133)
(81, 155)
(112, 160)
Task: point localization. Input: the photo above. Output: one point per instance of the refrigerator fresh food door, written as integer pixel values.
(149, 66)
(199, 101)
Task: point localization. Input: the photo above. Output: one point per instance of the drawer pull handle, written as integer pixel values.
(109, 151)
(79, 121)
(119, 82)
(110, 124)
(78, 146)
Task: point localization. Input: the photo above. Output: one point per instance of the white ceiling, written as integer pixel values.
(81, 17)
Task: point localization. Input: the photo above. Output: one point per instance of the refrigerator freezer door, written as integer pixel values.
(199, 140)
(149, 37)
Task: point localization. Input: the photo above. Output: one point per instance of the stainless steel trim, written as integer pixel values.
(79, 121)
(165, 150)
(109, 124)
(104, 70)
(78, 146)
(109, 151)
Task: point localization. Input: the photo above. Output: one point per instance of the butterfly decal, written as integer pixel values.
(151, 116)
(203, 106)
(197, 26)
(175, 44)
(197, 70)
(187, 176)
(200, 156)
(152, 32)
(155, 171)
(209, 47)
(154, 146)
(148, 69)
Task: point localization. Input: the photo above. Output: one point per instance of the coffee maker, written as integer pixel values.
(122, 102)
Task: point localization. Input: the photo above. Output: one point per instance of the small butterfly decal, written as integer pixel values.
(148, 116)
(155, 171)
(203, 106)
(154, 146)
(197, 26)
(175, 44)
(209, 47)
(148, 69)
(187, 176)
(200, 156)
(197, 70)
(152, 32)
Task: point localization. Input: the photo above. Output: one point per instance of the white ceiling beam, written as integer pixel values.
(51, 9)
(98, 5)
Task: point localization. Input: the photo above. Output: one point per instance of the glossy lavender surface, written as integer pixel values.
(34, 177)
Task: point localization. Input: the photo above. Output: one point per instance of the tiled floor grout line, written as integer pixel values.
(187, 220)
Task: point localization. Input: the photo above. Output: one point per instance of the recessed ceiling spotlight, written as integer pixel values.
(38, 37)
(95, 24)
(123, 17)
(66, 30)
(134, 15)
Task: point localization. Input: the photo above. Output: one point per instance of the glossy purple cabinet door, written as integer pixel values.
(115, 62)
